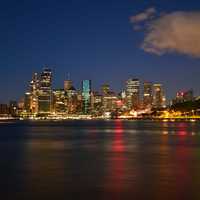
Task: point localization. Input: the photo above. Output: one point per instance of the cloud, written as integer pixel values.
(177, 32)
(147, 14)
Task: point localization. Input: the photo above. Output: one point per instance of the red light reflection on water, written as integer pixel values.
(118, 145)
(115, 182)
(182, 129)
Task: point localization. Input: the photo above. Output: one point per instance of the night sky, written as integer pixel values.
(90, 39)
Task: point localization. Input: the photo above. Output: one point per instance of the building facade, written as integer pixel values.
(147, 95)
(86, 96)
(133, 93)
(159, 99)
(45, 92)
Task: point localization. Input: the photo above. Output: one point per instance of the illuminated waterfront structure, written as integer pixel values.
(147, 95)
(159, 99)
(133, 93)
(43, 101)
(86, 96)
(45, 92)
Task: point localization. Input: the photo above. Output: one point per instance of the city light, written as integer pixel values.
(136, 100)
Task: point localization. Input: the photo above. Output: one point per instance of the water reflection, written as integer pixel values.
(116, 164)
(101, 160)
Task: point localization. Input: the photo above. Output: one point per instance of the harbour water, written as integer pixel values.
(112, 160)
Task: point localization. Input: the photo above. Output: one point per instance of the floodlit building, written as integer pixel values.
(45, 92)
(159, 99)
(109, 102)
(105, 89)
(147, 95)
(34, 89)
(68, 85)
(86, 96)
(183, 96)
(27, 102)
(133, 93)
(59, 101)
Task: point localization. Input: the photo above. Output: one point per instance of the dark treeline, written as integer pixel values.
(186, 106)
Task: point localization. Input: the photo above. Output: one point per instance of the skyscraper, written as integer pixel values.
(34, 89)
(105, 89)
(132, 93)
(159, 100)
(45, 92)
(67, 85)
(59, 101)
(147, 95)
(86, 95)
(27, 102)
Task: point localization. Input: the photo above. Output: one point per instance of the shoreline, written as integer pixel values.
(189, 119)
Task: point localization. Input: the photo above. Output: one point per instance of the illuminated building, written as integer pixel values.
(13, 108)
(147, 95)
(109, 102)
(72, 100)
(132, 93)
(67, 85)
(183, 96)
(34, 89)
(159, 100)
(20, 105)
(4, 110)
(27, 102)
(105, 89)
(96, 102)
(45, 93)
(86, 95)
(59, 101)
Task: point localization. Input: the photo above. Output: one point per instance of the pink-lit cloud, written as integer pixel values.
(147, 14)
(177, 32)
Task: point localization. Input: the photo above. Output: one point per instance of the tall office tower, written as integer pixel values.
(105, 89)
(34, 89)
(45, 92)
(133, 94)
(67, 85)
(96, 102)
(71, 100)
(147, 95)
(159, 100)
(86, 95)
(59, 101)
(109, 102)
(27, 102)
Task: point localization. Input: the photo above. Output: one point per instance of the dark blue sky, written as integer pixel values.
(91, 39)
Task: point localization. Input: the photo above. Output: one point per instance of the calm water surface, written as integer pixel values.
(112, 160)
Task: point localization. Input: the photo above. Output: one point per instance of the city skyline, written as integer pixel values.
(68, 82)
(100, 99)
(42, 100)
(99, 41)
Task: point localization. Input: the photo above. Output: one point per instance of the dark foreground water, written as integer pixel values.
(112, 160)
